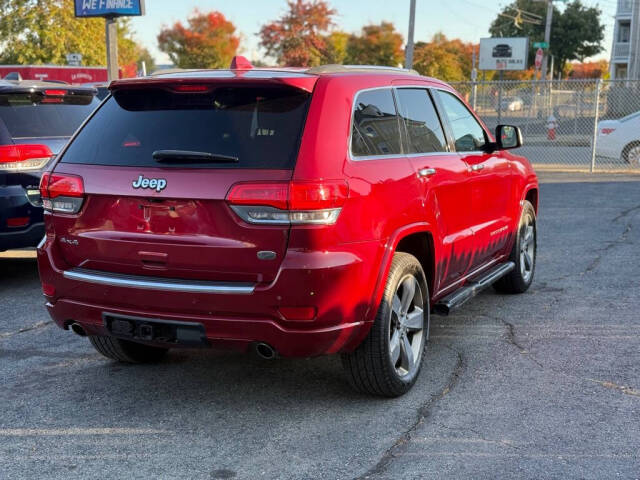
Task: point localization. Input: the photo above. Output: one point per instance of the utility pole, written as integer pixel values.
(112, 48)
(408, 59)
(547, 39)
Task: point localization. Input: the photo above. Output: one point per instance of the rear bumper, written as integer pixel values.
(28, 237)
(339, 284)
(14, 203)
(225, 333)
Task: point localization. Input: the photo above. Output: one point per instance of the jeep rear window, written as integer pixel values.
(261, 126)
(24, 115)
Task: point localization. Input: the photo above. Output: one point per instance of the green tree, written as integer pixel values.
(336, 49)
(298, 38)
(208, 41)
(576, 32)
(39, 32)
(376, 45)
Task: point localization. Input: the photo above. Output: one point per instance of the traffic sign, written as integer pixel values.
(74, 59)
(543, 45)
(539, 57)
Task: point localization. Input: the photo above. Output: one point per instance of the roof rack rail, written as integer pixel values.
(335, 68)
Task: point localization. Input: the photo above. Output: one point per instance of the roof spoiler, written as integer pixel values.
(300, 81)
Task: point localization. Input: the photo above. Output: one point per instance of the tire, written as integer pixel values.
(402, 320)
(520, 278)
(631, 154)
(126, 351)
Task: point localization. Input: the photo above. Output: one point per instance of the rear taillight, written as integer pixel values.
(298, 203)
(21, 158)
(54, 96)
(61, 193)
(607, 131)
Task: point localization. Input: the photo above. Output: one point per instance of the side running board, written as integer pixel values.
(471, 289)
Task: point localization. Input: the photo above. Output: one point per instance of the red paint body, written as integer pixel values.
(188, 231)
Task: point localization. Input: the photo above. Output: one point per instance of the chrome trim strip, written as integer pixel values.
(157, 283)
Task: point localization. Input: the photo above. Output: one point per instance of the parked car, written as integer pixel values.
(511, 104)
(294, 212)
(36, 120)
(620, 139)
(502, 50)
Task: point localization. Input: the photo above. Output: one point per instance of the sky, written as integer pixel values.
(465, 19)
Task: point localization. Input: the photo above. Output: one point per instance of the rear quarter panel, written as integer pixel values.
(385, 199)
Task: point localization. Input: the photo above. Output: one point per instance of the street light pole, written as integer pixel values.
(112, 48)
(408, 59)
(547, 39)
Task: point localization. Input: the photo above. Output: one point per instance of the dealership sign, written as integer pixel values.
(109, 8)
(504, 53)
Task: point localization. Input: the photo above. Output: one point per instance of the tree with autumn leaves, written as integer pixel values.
(208, 41)
(45, 32)
(303, 37)
(298, 38)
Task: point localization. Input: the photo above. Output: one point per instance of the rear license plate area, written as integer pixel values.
(155, 330)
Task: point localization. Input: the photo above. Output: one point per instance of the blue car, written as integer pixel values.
(36, 120)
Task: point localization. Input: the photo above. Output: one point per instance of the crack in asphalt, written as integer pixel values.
(423, 414)
(35, 326)
(511, 338)
(626, 212)
(621, 240)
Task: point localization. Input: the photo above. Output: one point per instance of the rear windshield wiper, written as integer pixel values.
(167, 156)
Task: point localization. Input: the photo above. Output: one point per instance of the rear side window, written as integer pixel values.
(376, 126)
(26, 115)
(468, 134)
(261, 127)
(424, 130)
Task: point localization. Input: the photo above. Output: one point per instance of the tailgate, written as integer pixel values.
(165, 215)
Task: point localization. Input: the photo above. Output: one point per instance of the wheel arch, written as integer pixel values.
(627, 147)
(417, 240)
(532, 196)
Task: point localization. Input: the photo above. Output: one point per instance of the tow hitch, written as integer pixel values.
(155, 330)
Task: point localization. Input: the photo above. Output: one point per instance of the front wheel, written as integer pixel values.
(523, 254)
(631, 154)
(388, 361)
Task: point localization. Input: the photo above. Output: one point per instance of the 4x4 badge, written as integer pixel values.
(157, 183)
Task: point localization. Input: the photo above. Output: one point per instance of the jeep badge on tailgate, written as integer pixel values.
(157, 183)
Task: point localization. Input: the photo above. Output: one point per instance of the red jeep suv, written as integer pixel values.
(292, 212)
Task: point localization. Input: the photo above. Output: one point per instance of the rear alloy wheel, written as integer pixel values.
(631, 154)
(388, 361)
(523, 255)
(126, 351)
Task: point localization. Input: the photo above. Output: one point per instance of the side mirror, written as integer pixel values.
(508, 137)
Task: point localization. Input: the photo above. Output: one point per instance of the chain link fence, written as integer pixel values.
(570, 125)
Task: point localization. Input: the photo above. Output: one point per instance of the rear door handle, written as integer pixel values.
(477, 167)
(426, 172)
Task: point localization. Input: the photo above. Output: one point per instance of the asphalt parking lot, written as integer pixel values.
(541, 385)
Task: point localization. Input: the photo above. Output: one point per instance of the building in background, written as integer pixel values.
(625, 54)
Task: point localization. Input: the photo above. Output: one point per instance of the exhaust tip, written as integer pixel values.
(78, 330)
(265, 351)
